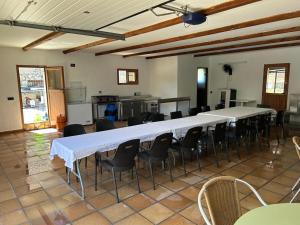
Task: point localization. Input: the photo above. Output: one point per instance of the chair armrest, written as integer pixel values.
(202, 212)
(254, 191)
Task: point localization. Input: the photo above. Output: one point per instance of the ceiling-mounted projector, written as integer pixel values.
(193, 18)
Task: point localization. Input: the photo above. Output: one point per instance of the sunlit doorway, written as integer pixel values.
(33, 97)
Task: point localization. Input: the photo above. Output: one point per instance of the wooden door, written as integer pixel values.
(56, 95)
(275, 85)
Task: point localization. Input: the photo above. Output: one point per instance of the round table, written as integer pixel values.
(276, 214)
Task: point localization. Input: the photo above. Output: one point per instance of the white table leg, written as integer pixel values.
(78, 175)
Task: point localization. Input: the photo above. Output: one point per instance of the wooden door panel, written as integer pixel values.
(57, 105)
(278, 98)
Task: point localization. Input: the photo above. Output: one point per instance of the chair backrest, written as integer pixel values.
(176, 115)
(125, 154)
(279, 118)
(145, 116)
(241, 128)
(132, 121)
(155, 117)
(191, 138)
(219, 106)
(160, 146)
(194, 111)
(263, 106)
(220, 132)
(296, 141)
(104, 124)
(73, 129)
(205, 108)
(222, 198)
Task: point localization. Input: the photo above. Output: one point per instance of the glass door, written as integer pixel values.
(33, 97)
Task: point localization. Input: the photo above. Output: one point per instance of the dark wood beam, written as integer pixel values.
(171, 22)
(251, 23)
(42, 40)
(249, 49)
(220, 41)
(249, 44)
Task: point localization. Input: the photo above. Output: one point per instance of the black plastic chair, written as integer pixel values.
(205, 108)
(237, 132)
(194, 111)
(155, 117)
(145, 116)
(189, 144)
(219, 106)
(158, 152)
(176, 115)
(263, 106)
(132, 121)
(73, 130)
(279, 124)
(123, 160)
(104, 124)
(218, 136)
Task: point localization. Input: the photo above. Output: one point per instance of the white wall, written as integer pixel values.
(247, 76)
(187, 76)
(163, 80)
(96, 73)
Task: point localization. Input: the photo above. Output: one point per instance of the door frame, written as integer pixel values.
(20, 94)
(286, 82)
(63, 89)
(206, 83)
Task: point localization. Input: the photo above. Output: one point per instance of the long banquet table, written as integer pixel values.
(73, 149)
(235, 113)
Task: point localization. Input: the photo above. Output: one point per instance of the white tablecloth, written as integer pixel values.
(236, 113)
(81, 146)
(179, 127)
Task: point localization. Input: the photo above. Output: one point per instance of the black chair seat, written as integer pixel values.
(109, 164)
(145, 155)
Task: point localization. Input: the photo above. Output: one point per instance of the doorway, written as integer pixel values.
(202, 78)
(275, 85)
(42, 98)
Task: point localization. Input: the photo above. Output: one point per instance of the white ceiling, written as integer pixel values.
(69, 13)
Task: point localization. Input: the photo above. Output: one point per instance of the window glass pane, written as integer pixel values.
(270, 84)
(201, 79)
(279, 88)
(122, 77)
(131, 76)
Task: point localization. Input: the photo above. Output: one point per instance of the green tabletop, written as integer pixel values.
(277, 214)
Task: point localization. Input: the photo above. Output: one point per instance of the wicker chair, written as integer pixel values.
(296, 141)
(221, 195)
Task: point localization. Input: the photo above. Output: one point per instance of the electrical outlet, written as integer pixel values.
(100, 92)
(10, 98)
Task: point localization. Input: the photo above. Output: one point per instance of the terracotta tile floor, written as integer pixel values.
(33, 188)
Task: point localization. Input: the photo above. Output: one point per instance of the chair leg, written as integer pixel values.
(295, 196)
(238, 145)
(183, 163)
(96, 170)
(215, 152)
(85, 162)
(137, 178)
(120, 177)
(170, 169)
(295, 185)
(132, 174)
(198, 159)
(116, 187)
(151, 173)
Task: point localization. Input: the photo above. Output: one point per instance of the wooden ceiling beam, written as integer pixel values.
(249, 49)
(248, 44)
(171, 22)
(220, 41)
(237, 26)
(42, 40)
